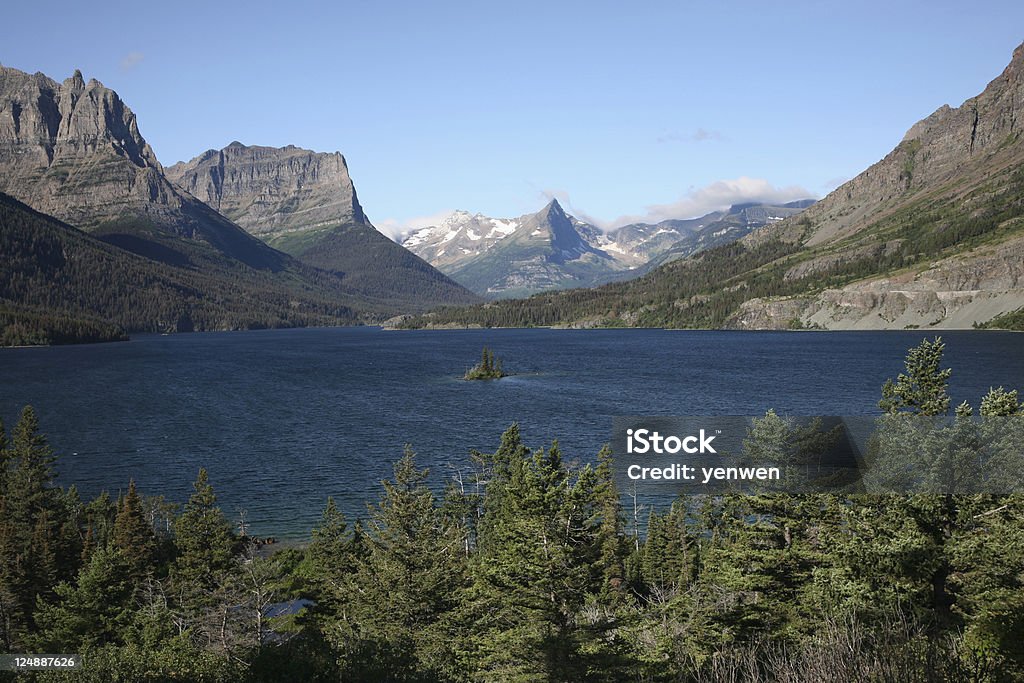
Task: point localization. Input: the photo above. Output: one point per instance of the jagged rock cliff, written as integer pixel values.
(73, 150)
(943, 156)
(271, 191)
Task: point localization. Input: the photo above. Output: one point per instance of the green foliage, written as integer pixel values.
(922, 390)
(1007, 321)
(95, 610)
(411, 570)
(204, 545)
(59, 285)
(489, 367)
(133, 535)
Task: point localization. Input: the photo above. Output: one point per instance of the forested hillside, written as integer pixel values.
(58, 284)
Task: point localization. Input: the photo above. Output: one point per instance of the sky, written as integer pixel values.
(622, 111)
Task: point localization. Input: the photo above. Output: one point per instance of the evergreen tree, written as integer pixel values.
(530, 573)
(133, 535)
(922, 390)
(610, 532)
(98, 518)
(412, 571)
(95, 610)
(332, 558)
(30, 523)
(202, 537)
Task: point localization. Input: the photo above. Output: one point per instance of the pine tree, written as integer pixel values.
(33, 515)
(610, 532)
(5, 458)
(202, 537)
(134, 536)
(332, 557)
(95, 610)
(412, 570)
(922, 390)
(530, 571)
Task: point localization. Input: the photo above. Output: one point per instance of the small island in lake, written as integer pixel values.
(489, 367)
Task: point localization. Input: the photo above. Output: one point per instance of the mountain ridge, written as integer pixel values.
(73, 151)
(461, 245)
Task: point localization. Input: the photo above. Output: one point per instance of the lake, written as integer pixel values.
(284, 418)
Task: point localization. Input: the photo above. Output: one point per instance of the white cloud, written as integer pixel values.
(131, 60)
(716, 196)
(699, 135)
(561, 195)
(398, 229)
(833, 183)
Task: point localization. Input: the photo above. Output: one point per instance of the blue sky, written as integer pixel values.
(622, 110)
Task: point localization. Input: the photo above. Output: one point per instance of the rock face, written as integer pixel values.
(73, 150)
(551, 249)
(272, 191)
(956, 181)
(953, 293)
(304, 203)
(943, 156)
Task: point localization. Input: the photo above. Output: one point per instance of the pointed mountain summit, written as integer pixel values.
(304, 203)
(500, 258)
(73, 150)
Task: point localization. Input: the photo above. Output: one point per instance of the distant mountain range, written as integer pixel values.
(551, 249)
(931, 236)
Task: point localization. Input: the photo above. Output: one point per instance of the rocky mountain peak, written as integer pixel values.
(75, 81)
(553, 208)
(271, 191)
(50, 132)
(981, 137)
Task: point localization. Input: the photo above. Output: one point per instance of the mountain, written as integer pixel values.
(728, 226)
(501, 258)
(660, 243)
(304, 203)
(59, 284)
(73, 150)
(930, 236)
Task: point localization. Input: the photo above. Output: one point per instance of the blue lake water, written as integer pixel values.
(284, 418)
